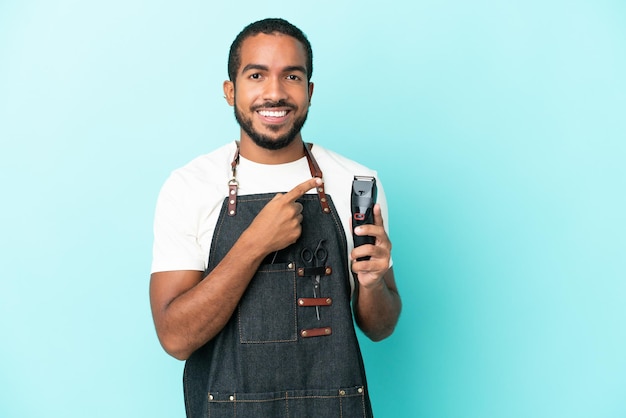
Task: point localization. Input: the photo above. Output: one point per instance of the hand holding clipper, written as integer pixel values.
(363, 200)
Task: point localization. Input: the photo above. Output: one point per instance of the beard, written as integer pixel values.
(265, 141)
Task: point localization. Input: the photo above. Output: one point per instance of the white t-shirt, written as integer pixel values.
(190, 201)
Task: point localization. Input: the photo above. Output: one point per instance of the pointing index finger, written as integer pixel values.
(302, 188)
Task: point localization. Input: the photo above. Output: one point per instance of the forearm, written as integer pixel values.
(377, 308)
(196, 315)
(189, 311)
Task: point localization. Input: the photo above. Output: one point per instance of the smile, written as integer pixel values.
(273, 113)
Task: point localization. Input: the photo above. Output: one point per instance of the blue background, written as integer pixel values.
(497, 127)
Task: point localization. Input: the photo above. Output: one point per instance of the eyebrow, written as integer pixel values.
(260, 67)
(294, 68)
(254, 67)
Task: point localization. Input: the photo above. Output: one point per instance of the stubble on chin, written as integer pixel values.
(265, 141)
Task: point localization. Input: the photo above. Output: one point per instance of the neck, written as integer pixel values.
(251, 151)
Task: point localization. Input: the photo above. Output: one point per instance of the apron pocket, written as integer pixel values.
(267, 310)
(345, 402)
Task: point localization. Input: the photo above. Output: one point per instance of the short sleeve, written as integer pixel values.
(176, 244)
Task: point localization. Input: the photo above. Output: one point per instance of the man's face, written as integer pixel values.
(271, 94)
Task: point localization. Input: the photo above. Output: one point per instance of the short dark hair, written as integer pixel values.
(267, 26)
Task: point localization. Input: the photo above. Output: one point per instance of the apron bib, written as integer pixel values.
(290, 348)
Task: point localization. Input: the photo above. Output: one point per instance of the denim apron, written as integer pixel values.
(275, 358)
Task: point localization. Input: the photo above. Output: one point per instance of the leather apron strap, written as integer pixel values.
(233, 184)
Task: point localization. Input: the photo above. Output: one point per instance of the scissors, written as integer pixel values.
(315, 258)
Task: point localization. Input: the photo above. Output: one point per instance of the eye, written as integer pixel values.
(293, 77)
(255, 76)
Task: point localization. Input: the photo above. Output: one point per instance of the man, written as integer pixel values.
(251, 279)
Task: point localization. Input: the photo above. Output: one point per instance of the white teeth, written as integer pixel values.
(273, 113)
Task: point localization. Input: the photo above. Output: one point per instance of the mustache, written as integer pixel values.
(270, 105)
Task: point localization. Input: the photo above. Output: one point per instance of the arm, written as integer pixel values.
(376, 300)
(189, 311)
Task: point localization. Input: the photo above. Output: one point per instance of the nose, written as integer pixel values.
(274, 90)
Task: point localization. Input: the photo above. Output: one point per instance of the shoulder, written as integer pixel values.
(205, 167)
(337, 164)
(202, 172)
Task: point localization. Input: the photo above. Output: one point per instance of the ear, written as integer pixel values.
(310, 92)
(229, 92)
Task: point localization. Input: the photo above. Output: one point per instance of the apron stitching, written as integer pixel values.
(340, 407)
(214, 239)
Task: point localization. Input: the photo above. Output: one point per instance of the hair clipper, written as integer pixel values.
(363, 200)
